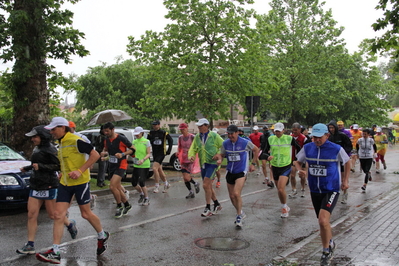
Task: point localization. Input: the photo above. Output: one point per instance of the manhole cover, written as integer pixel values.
(221, 243)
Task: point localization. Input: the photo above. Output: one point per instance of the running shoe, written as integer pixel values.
(377, 171)
(102, 244)
(270, 184)
(344, 198)
(73, 230)
(165, 188)
(332, 247)
(119, 212)
(243, 215)
(284, 212)
(363, 189)
(146, 202)
(302, 193)
(325, 259)
(293, 193)
(141, 199)
(385, 165)
(190, 195)
(238, 221)
(218, 184)
(370, 178)
(217, 208)
(127, 209)
(49, 256)
(266, 181)
(126, 194)
(156, 190)
(207, 212)
(197, 187)
(27, 249)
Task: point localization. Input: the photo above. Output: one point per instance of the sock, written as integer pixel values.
(284, 205)
(188, 185)
(216, 202)
(166, 183)
(31, 243)
(142, 193)
(101, 235)
(192, 181)
(326, 250)
(147, 198)
(119, 205)
(208, 206)
(56, 249)
(156, 184)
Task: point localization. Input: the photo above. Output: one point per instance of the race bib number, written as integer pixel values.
(113, 159)
(41, 193)
(234, 157)
(318, 170)
(157, 142)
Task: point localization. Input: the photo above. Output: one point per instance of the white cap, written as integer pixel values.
(355, 126)
(278, 126)
(202, 121)
(57, 121)
(138, 130)
(379, 129)
(255, 128)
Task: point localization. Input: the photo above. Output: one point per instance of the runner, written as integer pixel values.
(116, 148)
(300, 140)
(158, 138)
(356, 134)
(74, 180)
(207, 145)
(365, 149)
(187, 167)
(236, 150)
(381, 142)
(263, 156)
(280, 158)
(141, 164)
(255, 138)
(43, 185)
(323, 164)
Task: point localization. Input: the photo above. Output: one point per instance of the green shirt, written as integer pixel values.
(141, 146)
(206, 150)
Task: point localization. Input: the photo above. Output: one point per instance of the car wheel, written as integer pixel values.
(176, 163)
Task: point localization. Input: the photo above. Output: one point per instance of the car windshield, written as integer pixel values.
(7, 154)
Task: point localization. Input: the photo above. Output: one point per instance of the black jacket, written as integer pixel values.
(340, 138)
(158, 142)
(45, 155)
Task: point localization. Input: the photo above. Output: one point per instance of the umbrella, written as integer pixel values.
(109, 116)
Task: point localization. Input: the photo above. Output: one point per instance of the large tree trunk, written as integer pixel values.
(30, 97)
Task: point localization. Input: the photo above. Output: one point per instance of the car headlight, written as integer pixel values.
(8, 180)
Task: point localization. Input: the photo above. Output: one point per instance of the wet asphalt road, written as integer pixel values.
(168, 230)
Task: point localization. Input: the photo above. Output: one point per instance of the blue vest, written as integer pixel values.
(237, 155)
(324, 173)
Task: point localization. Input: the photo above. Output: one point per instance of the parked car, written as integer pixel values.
(171, 159)
(93, 133)
(14, 185)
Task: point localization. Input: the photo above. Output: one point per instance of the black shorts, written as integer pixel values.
(120, 172)
(281, 171)
(325, 201)
(158, 158)
(263, 156)
(231, 178)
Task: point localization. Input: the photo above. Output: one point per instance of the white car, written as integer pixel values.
(171, 159)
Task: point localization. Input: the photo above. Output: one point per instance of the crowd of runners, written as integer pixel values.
(321, 160)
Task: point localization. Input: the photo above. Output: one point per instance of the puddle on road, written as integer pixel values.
(221, 243)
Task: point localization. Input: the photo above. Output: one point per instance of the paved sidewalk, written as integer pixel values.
(369, 235)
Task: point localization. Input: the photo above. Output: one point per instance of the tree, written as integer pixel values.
(119, 86)
(307, 55)
(200, 63)
(31, 32)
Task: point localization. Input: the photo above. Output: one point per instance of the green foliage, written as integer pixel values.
(201, 62)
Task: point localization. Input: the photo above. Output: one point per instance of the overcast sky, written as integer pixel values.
(107, 24)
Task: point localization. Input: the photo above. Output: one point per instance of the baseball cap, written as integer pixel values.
(138, 130)
(340, 122)
(319, 130)
(202, 121)
(72, 124)
(57, 121)
(379, 129)
(355, 126)
(155, 122)
(265, 127)
(278, 126)
(232, 129)
(32, 133)
(255, 128)
(183, 126)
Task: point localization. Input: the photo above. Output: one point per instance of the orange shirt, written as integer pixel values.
(356, 134)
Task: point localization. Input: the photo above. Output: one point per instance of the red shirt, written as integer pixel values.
(300, 139)
(255, 138)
